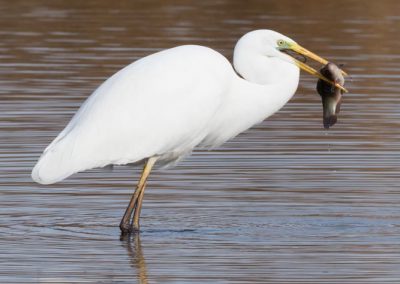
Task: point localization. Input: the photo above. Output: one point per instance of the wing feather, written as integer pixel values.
(160, 105)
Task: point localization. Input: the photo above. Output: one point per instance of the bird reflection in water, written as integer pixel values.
(132, 243)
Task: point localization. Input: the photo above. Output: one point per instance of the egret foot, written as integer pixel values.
(134, 228)
(126, 228)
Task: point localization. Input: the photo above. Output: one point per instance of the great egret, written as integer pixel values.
(163, 105)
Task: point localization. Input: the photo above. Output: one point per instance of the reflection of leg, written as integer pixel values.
(135, 254)
(124, 225)
(140, 262)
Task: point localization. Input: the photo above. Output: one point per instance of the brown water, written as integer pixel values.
(285, 202)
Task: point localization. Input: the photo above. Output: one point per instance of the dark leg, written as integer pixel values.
(136, 214)
(125, 222)
(125, 225)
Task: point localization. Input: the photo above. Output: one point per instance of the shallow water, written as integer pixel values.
(284, 202)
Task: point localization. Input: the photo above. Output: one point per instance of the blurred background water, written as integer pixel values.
(284, 202)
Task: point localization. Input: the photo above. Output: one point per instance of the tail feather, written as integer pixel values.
(55, 164)
(65, 156)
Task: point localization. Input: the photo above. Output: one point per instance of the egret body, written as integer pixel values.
(162, 106)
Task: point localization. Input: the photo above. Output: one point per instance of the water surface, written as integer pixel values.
(284, 202)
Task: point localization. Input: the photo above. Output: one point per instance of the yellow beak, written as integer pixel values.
(301, 50)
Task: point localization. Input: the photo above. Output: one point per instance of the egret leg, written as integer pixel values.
(125, 222)
(138, 208)
(136, 214)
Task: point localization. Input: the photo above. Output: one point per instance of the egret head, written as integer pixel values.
(275, 45)
(284, 45)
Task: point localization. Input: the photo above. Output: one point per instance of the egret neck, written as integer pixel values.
(268, 83)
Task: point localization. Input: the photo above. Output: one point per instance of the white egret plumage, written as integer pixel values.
(162, 106)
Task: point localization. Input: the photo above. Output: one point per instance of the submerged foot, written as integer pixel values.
(127, 228)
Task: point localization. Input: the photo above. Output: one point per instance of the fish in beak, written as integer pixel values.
(288, 46)
(330, 95)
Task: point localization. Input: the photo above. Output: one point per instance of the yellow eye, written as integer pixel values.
(281, 42)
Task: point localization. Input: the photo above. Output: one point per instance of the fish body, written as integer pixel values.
(331, 96)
